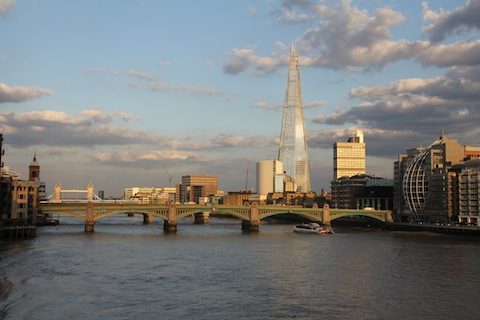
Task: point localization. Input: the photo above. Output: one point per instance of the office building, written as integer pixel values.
(270, 176)
(293, 151)
(194, 187)
(349, 157)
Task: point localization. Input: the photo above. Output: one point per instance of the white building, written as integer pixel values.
(349, 157)
(269, 176)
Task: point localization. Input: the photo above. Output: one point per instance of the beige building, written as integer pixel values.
(469, 192)
(270, 176)
(430, 181)
(349, 157)
(194, 187)
(150, 194)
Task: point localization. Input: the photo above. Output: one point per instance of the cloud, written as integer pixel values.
(446, 87)
(91, 127)
(165, 62)
(21, 94)
(268, 106)
(139, 157)
(276, 107)
(444, 23)
(164, 86)
(140, 75)
(6, 6)
(104, 70)
(242, 59)
(345, 37)
(252, 10)
(192, 89)
(411, 111)
(379, 142)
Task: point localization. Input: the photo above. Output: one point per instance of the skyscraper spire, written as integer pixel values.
(293, 151)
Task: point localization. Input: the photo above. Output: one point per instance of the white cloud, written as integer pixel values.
(140, 75)
(104, 70)
(145, 156)
(20, 94)
(347, 37)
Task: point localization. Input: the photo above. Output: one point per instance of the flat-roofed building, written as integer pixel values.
(349, 157)
(194, 187)
(469, 192)
(160, 195)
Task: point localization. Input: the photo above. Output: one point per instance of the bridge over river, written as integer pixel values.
(91, 211)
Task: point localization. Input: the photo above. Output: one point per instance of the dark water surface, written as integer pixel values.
(126, 270)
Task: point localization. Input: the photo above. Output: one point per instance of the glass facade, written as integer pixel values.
(293, 144)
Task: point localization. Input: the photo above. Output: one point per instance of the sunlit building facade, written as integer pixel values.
(270, 177)
(430, 183)
(349, 157)
(293, 151)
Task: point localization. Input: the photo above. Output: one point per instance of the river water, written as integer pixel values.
(126, 270)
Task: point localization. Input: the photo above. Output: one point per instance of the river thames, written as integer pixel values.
(127, 270)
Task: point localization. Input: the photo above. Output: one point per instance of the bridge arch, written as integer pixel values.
(155, 214)
(312, 216)
(382, 216)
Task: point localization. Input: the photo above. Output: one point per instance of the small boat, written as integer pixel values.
(312, 228)
(51, 222)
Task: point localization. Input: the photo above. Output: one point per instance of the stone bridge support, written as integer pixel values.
(147, 218)
(89, 218)
(170, 225)
(202, 217)
(252, 225)
(326, 220)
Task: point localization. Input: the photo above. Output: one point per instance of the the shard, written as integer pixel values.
(293, 143)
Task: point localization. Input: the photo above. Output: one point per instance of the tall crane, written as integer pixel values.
(170, 178)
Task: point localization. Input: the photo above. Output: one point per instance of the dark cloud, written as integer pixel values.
(461, 19)
(91, 127)
(415, 110)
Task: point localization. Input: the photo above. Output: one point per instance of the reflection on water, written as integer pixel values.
(129, 270)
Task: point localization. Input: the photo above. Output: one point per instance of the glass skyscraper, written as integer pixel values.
(293, 143)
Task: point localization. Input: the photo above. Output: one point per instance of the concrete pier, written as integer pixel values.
(202, 217)
(147, 219)
(248, 226)
(89, 226)
(169, 227)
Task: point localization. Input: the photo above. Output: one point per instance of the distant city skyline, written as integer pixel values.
(117, 93)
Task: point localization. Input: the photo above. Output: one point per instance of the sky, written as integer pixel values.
(131, 93)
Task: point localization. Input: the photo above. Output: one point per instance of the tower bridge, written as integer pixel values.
(94, 210)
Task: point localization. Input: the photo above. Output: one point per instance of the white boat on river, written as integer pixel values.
(312, 228)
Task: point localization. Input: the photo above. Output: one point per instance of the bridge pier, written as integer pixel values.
(147, 219)
(89, 226)
(252, 225)
(89, 218)
(202, 217)
(326, 220)
(170, 225)
(249, 226)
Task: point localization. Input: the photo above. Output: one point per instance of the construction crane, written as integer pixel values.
(170, 178)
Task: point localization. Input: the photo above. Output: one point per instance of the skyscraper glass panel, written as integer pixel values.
(293, 143)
